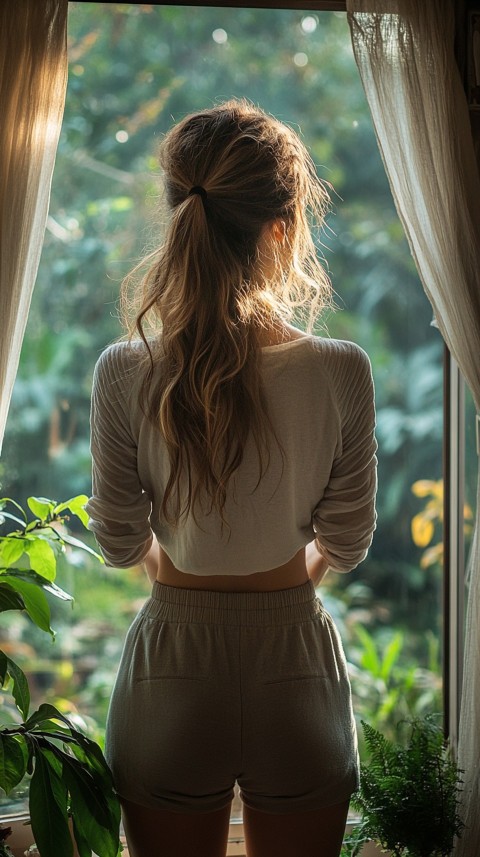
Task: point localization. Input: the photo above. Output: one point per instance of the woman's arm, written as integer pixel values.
(119, 509)
(317, 565)
(345, 517)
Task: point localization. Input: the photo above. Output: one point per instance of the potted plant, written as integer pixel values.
(70, 788)
(5, 832)
(408, 796)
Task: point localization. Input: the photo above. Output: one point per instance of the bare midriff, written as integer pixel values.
(292, 573)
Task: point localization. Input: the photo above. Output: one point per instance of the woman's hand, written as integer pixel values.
(317, 565)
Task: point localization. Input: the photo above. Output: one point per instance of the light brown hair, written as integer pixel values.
(206, 291)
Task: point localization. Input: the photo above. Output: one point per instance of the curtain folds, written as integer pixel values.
(405, 54)
(33, 76)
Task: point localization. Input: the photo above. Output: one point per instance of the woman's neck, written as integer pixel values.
(278, 334)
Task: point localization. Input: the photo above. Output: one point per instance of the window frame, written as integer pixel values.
(453, 465)
(453, 540)
(305, 5)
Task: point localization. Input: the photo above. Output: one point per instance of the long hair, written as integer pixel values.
(205, 289)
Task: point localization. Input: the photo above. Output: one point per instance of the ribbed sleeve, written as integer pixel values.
(344, 519)
(119, 509)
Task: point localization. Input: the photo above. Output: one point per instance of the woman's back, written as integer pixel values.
(317, 393)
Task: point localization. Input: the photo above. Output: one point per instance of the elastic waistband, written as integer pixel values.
(281, 607)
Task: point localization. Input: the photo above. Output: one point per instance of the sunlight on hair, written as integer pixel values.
(221, 277)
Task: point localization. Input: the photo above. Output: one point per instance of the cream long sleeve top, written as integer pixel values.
(321, 402)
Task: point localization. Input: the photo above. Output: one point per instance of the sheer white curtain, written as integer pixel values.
(33, 76)
(404, 52)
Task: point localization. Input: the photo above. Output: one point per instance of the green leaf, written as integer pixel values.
(9, 599)
(369, 659)
(83, 847)
(76, 543)
(52, 759)
(34, 599)
(3, 668)
(90, 754)
(45, 712)
(94, 805)
(30, 576)
(11, 549)
(391, 655)
(42, 557)
(41, 507)
(90, 809)
(48, 810)
(5, 500)
(20, 690)
(13, 761)
(10, 517)
(76, 506)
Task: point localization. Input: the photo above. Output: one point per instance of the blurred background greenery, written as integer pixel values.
(134, 70)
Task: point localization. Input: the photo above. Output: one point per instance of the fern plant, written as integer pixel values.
(408, 796)
(70, 780)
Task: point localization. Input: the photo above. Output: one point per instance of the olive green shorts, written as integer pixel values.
(216, 688)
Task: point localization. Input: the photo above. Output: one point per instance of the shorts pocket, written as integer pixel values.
(294, 653)
(167, 651)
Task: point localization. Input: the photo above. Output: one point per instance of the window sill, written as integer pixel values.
(22, 838)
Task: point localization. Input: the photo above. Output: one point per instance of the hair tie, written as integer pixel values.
(198, 189)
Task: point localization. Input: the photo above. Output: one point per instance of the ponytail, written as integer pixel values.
(228, 172)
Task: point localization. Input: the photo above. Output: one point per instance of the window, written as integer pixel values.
(132, 69)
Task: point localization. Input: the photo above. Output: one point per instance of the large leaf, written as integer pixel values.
(93, 777)
(20, 691)
(42, 556)
(9, 598)
(90, 809)
(34, 599)
(86, 751)
(31, 576)
(90, 754)
(46, 713)
(83, 847)
(48, 810)
(41, 507)
(13, 761)
(52, 759)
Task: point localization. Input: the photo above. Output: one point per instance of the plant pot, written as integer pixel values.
(33, 851)
(21, 837)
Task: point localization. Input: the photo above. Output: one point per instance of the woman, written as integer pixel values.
(235, 455)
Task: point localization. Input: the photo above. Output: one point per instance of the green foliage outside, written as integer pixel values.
(133, 71)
